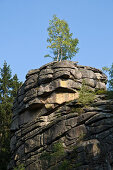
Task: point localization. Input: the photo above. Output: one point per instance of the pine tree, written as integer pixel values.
(15, 86)
(8, 89)
(60, 40)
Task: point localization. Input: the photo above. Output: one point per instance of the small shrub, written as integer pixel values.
(109, 94)
(56, 154)
(100, 91)
(58, 159)
(78, 110)
(58, 149)
(71, 162)
(46, 156)
(20, 167)
(65, 165)
(86, 96)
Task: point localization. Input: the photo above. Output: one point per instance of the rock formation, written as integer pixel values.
(51, 130)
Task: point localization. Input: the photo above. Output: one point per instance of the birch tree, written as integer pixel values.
(60, 40)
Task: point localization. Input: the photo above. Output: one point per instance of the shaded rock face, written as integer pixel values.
(46, 115)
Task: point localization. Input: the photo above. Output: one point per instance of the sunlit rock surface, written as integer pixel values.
(45, 114)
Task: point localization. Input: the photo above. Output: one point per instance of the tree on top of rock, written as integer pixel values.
(60, 39)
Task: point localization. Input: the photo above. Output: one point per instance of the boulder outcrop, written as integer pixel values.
(51, 130)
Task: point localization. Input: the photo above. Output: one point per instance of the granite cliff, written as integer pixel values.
(51, 130)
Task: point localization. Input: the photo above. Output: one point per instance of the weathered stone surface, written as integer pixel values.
(31, 82)
(64, 64)
(30, 95)
(31, 72)
(101, 85)
(57, 76)
(44, 78)
(64, 97)
(88, 74)
(15, 123)
(101, 76)
(46, 113)
(59, 85)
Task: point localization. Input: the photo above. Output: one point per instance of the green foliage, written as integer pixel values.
(8, 89)
(86, 96)
(53, 156)
(20, 167)
(110, 71)
(68, 165)
(58, 159)
(58, 149)
(15, 86)
(65, 165)
(46, 156)
(71, 162)
(111, 78)
(60, 40)
(105, 69)
(100, 91)
(79, 110)
(110, 81)
(109, 94)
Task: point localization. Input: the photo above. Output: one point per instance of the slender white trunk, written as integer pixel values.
(58, 55)
(61, 55)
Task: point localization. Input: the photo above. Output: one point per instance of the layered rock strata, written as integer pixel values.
(46, 114)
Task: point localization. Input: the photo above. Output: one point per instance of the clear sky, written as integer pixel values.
(23, 31)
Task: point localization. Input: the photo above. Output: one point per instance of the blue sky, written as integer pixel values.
(23, 31)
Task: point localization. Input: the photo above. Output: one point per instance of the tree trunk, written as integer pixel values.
(61, 55)
(58, 55)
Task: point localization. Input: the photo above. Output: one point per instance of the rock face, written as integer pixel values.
(46, 116)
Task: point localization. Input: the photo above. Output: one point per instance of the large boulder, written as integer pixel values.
(50, 130)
